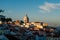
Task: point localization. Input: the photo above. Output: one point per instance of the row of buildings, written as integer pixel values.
(25, 30)
(27, 24)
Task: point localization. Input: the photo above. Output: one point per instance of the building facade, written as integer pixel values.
(26, 19)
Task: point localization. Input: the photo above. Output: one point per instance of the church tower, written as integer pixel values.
(26, 19)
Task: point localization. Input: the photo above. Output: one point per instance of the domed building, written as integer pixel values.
(37, 25)
(26, 19)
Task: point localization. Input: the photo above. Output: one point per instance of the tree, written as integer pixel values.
(21, 22)
(8, 19)
(1, 10)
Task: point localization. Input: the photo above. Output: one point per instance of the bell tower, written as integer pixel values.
(26, 19)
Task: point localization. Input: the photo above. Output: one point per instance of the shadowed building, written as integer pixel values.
(2, 18)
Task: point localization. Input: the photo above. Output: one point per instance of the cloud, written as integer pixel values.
(47, 7)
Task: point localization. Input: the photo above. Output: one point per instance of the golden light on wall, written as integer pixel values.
(0, 22)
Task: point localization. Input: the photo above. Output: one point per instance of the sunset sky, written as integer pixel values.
(37, 10)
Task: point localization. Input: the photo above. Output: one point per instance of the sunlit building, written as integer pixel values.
(37, 25)
(26, 19)
(17, 22)
(45, 24)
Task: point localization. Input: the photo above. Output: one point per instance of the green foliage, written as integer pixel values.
(1, 10)
(8, 19)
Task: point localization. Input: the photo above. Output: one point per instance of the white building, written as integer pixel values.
(26, 19)
(38, 25)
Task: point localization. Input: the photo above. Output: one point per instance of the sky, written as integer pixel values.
(37, 10)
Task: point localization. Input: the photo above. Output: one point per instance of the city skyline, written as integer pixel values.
(37, 10)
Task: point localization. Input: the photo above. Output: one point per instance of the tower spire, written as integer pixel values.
(26, 19)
